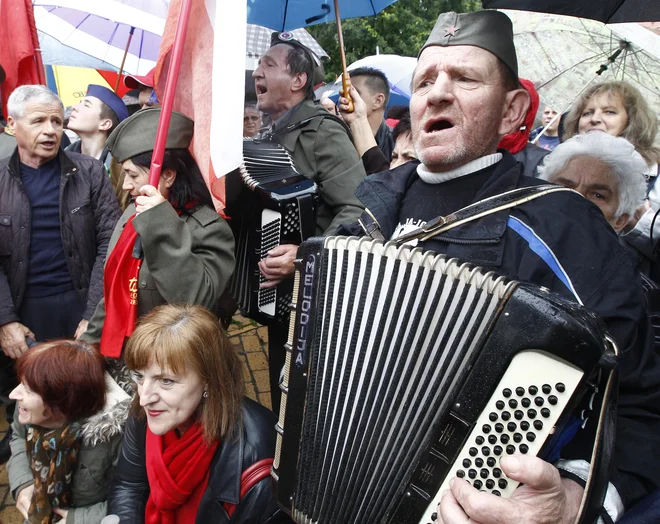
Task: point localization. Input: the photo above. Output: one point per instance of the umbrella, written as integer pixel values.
(563, 55)
(607, 11)
(397, 69)
(70, 83)
(102, 30)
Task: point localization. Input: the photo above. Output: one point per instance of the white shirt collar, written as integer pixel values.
(470, 167)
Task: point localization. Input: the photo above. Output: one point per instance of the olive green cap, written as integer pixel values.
(137, 134)
(490, 30)
(289, 38)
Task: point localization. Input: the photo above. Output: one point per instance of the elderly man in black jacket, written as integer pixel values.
(57, 213)
(466, 96)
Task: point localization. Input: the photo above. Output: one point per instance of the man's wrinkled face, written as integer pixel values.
(458, 101)
(594, 180)
(272, 81)
(38, 132)
(86, 115)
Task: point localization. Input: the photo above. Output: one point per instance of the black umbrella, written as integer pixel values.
(607, 11)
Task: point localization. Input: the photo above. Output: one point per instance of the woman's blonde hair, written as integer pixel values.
(182, 337)
(642, 126)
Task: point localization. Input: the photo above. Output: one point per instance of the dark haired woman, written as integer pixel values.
(67, 434)
(187, 249)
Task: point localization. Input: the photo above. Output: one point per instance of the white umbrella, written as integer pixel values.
(563, 55)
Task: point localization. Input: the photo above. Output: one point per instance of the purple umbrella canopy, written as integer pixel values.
(101, 30)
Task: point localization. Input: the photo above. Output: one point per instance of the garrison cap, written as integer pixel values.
(490, 30)
(109, 98)
(137, 134)
(289, 38)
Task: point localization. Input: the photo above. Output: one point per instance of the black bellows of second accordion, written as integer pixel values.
(405, 368)
(269, 203)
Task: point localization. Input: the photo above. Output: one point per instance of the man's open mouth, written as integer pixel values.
(261, 89)
(438, 125)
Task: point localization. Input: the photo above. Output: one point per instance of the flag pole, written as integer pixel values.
(34, 35)
(342, 55)
(170, 89)
(123, 60)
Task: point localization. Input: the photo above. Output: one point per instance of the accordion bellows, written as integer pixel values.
(406, 368)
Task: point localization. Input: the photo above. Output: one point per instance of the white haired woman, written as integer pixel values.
(605, 169)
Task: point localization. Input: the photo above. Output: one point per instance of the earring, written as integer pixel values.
(205, 394)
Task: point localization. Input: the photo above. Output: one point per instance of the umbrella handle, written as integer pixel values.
(123, 60)
(344, 73)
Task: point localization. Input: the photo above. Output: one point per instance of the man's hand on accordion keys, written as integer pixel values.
(278, 265)
(543, 497)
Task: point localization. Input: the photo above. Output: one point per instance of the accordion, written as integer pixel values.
(405, 369)
(273, 204)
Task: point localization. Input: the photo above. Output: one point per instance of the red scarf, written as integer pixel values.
(120, 285)
(178, 470)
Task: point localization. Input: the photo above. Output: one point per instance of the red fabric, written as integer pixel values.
(120, 293)
(111, 78)
(178, 470)
(250, 478)
(516, 142)
(17, 53)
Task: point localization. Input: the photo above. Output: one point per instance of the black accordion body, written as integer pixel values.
(273, 204)
(405, 368)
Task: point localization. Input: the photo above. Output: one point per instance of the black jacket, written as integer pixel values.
(583, 259)
(88, 213)
(129, 491)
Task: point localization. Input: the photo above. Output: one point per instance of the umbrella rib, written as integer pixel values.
(566, 70)
(286, 11)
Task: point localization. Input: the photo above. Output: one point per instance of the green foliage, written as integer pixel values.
(400, 29)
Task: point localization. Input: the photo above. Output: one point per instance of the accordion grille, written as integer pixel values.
(395, 328)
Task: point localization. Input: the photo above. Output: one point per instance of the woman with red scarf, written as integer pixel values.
(170, 245)
(195, 450)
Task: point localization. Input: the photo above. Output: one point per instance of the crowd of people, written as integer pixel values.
(123, 393)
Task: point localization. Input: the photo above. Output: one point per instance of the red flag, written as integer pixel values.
(211, 84)
(18, 56)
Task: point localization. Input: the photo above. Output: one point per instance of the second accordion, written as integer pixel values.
(405, 369)
(273, 204)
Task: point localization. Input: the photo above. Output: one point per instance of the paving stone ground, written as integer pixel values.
(251, 341)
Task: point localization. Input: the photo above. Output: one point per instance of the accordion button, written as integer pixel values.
(467, 463)
(500, 404)
(491, 462)
(496, 493)
(520, 391)
(486, 428)
(545, 412)
(526, 402)
(490, 483)
(493, 416)
(477, 484)
(513, 403)
(479, 462)
(504, 439)
(497, 450)
(492, 439)
(553, 400)
(484, 473)
(480, 440)
(485, 451)
(546, 388)
(517, 437)
(524, 425)
(538, 424)
(473, 452)
(506, 392)
(472, 473)
(499, 427)
(533, 390)
(531, 437)
(497, 473)
(460, 474)
(560, 387)
(511, 449)
(523, 448)
(518, 415)
(531, 413)
(502, 483)
(506, 415)
(511, 426)
(539, 401)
